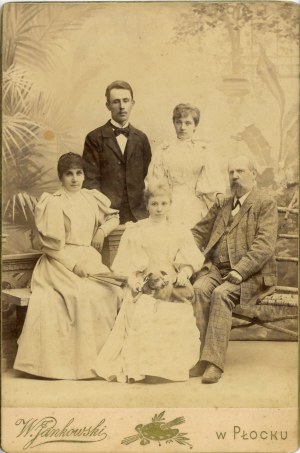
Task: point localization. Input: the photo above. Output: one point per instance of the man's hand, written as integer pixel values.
(80, 270)
(233, 277)
(220, 199)
(98, 240)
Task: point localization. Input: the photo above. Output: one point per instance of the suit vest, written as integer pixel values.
(219, 252)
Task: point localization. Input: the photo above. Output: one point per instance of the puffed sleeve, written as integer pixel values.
(157, 170)
(211, 178)
(131, 256)
(188, 253)
(107, 218)
(49, 220)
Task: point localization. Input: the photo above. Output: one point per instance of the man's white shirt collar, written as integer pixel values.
(121, 139)
(242, 199)
(114, 123)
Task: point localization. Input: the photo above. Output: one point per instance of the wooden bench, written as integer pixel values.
(273, 313)
(253, 315)
(280, 308)
(18, 297)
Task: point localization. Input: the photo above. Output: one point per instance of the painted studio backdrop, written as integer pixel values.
(238, 62)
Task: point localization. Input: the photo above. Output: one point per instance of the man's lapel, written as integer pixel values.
(111, 141)
(226, 211)
(244, 208)
(220, 224)
(131, 142)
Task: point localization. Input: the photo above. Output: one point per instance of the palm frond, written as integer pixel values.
(13, 208)
(32, 31)
(6, 207)
(21, 202)
(158, 417)
(54, 117)
(16, 84)
(22, 208)
(16, 138)
(176, 421)
(18, 22)
(128, 440)
(182, 439)
(18, 132)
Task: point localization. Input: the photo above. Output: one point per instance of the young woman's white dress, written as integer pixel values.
(152, 337)
(189, 167)
(69, 318)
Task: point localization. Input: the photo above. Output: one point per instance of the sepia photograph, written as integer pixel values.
(150, 191)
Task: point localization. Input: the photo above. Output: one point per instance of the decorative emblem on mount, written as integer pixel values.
(159, 431)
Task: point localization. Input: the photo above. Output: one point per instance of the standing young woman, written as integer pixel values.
(69, 315)
(189, 167)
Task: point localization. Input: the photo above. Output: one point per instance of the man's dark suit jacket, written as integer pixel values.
(111, 172)
(251, 241)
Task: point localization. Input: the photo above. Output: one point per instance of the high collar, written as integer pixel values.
(242, 199)
(114, 123)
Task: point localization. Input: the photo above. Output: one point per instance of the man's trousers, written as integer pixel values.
(215, 300)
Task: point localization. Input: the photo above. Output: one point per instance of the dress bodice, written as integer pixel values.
(180, 162)
(147, 246)
(160, 243)
(183, 162)
(71, 219)
(80, 220)
(188, 166)
(188, 163)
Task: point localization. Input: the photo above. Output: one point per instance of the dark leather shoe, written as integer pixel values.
(212, 374)
(198, 369)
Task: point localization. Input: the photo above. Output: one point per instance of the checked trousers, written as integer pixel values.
(215, 300)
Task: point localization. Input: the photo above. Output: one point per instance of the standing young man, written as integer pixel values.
(117, 156)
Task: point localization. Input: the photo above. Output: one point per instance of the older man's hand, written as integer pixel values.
(233, 277)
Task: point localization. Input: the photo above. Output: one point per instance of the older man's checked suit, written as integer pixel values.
(244, 243)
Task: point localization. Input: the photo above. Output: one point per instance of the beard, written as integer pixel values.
(235, 187)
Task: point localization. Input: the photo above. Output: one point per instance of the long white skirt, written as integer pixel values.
(68, 320)
(150, 337)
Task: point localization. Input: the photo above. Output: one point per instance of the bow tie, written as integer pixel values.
(120, 130)
(236, 204)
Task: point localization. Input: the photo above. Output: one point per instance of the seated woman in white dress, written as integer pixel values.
(153, 337)
(69, 316)
(189, 166)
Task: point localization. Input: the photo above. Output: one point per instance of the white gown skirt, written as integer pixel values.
(150, 337)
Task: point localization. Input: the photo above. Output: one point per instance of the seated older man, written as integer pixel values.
(238, 240)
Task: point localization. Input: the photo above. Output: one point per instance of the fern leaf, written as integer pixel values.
(128, 440)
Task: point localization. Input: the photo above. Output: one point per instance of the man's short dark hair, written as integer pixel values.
(120, 84)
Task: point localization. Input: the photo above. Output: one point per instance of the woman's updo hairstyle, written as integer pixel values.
(183, 110)
(156, 189)
(68, 161)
